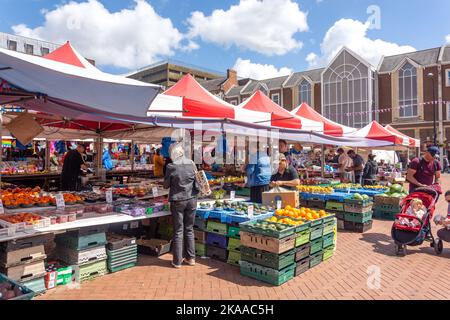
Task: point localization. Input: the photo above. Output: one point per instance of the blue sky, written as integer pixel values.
(405, 25)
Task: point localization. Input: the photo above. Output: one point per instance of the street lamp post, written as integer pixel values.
(431, 76)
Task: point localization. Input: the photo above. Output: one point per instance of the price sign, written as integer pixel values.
(222, 183)
(232, 195)
(96, 189)
(155, 192)
(2, 210)
(134, 225)
(245, 180)
(109, 196)
(250, 210)
(60, 203)
(279, 203)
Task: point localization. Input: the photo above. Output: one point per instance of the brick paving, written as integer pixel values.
(348, 275)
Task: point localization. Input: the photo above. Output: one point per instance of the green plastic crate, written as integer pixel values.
(82, 242)
(233, 232)
(384, 215)
(328, 240)
(249, 226)
(358, 217)
(234, 258)
(328, 253)
(200, 249)
(315, 259)
(217, 227)
(316, 232)
(199, 224)
(359, 202)
(243, 192)
(302, 237)
(328, 227)
(302, 252)
(234, 245)
(35, 285)
(267, 275)
(316, 246)
(335, 206)
(302, 266)
(90, 271)
(391, 208)
(122, 267)
(267, 259)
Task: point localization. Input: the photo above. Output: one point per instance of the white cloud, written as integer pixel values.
(447, 38)
(248, 69)
(128, 38)
(264, 26)
(353, 35)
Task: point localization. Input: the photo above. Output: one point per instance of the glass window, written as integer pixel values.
(45, 51)
(447, 78)
(12, 45)
(346, 86)
(448, 111)
(29, 49)
(304, 92)
(407, 84)
(275, 98)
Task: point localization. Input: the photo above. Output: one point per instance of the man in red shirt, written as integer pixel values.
(424, 172)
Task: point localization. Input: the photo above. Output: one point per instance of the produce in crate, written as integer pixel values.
(302, 213)
(218, 194)
(28, 218)
(348, 186)
(395, 191)
(315, 189)
(287, 221)
(9, 290)
(357, 196)
(270, 226)
(375, 187)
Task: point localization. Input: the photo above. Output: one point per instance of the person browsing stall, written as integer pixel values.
(425, 171)
(357, 166)
(73, 163)
(286, 176)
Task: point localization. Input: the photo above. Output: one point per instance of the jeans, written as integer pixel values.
(358, 178)
(256, 193)
(183, 245)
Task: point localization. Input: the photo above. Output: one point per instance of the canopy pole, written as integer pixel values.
(132, 156)
(322, 160)
(47, 155)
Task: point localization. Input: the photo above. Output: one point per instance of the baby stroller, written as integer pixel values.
(419, 230)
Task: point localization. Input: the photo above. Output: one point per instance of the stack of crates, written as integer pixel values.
(358, 215)
(216, 236)
(336, 205)
(386, 208)
(85, 250)
(23, 261)
(58, 274)
(122, 252)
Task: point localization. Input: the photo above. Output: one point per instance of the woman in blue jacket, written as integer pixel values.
(259, 171)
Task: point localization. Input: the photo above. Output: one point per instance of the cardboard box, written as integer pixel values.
(287, 197)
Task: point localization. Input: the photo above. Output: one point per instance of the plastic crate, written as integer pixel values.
(317, 204)
(202, 213)
(6, 232)
(266, 243)
(356, 208)
(116, 241)
(315, 259)
(217, 227)
(234, 245)
(124, 252)
(200, 236)
(335, 206)
(338, 196)
(268, 259)
(122, 267)
(232, 218)
(36, 285)
(250, 227)
(81, 257)
(27, 293)
(313, 196)
(200, 249)
(25, 272)
(220, 254)
(329, 226)
(380, 200)
(154, 247)
(316, 232)
(302, 237)
(302, 266)
(216, 240)
(267, 275)
(86, 231)
(302, 252)
(358, 227)
(90, 271)
(233, 232)
(328, 240)
(358, 217)
(340, 225)
(339, 215)
(120, 262)
(22, 256)
(234, 258)
(328, 253)
(384, 215)
(316, 246)
(388, 208)
(200, 224)
(82, 242)
(359, 202)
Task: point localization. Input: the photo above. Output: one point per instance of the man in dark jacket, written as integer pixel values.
(180, 178)
(370, 171)
(73, 163)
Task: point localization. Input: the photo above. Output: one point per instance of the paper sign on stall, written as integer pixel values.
(60, 203)
(2, 210)
(279, 203)
(232, 195)
(109, 196)
(250, 210)
(155, 192)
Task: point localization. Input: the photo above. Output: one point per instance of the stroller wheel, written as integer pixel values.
(400, 249)
(438, 246)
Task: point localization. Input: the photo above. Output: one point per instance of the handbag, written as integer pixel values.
(202, 181)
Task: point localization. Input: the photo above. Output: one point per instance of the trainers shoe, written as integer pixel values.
(178, 266)
(190, 262)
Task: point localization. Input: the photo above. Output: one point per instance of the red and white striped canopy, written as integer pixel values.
(328, 127)
(279, 117)
(376, 131)
(415, 143)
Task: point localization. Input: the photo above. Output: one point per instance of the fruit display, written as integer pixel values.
(375, 187)
(218, 194)
(348, 186)
(238, 207)
(302, 213)
(70, 198)
(27, 218)
(268, 225)
(18, 197)
(10, 290)
(316, 181)
(287, 221)
(395, 191)
(130, 192)
(315, 189)
(228, 179)
(357, 196)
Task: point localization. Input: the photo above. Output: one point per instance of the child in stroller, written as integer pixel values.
(412, 226)
(443, 234)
